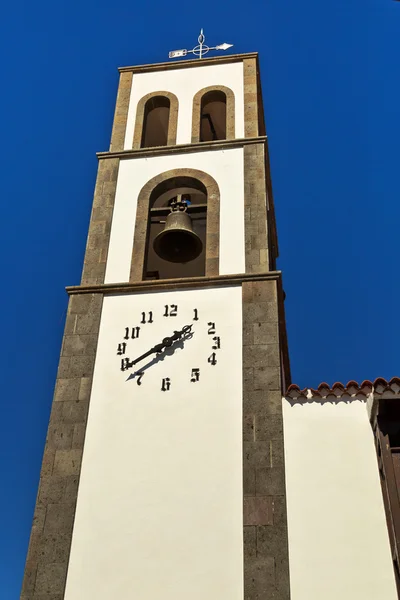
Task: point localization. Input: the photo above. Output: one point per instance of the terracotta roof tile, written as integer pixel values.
(380, 385)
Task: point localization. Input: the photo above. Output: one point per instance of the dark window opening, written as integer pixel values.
(194, 193)
(155, 122)
(388, 451)
(213, 117)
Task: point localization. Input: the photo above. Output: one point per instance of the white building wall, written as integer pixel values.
(159, 510)
(225, 166)
(185, 83)
(338, 540)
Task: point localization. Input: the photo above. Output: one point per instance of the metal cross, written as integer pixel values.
(199, 50)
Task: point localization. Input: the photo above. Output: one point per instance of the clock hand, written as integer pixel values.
(166, 343)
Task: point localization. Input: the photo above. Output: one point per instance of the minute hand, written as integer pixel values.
(166, 343)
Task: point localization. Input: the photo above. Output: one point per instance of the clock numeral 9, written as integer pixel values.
(212, 359)
(171, 311)
(121, 348)
(150, 317)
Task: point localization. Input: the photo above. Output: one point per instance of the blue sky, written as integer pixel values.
(330, 77)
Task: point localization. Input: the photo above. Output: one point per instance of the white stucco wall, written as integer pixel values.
(338, 540)
(159, 511)
(185, 83)
(225, 166)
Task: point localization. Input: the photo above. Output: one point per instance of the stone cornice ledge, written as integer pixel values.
(171, 284)
(193, 62)
(180, 148)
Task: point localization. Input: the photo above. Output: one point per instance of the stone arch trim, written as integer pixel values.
(173, 118)
(142, 217)
(230, 111)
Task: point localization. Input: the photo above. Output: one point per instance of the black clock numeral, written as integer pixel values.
(139, 379)
(125, 364)
(121, 348)
(165, 384)
(149, 318)
(131, 334)
(211, 328)
(195, 376)
(212, 359)
(217, 343)
(196, 314)
(171, 310)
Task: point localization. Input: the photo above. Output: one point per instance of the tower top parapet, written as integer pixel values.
(191, 62)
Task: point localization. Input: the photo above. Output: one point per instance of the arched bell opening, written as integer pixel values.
(176, 233)
(213, 116)
(155, 122)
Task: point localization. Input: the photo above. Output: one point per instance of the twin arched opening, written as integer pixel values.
(213, 117)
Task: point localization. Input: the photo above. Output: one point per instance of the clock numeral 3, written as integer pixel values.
(217, 343)
(131, 334)
(212, 359)
(171, 311)
(211, 328)
(149, 319)
(195, 376)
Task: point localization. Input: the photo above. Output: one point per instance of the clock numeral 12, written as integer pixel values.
(212, 359)
(134, 334)
(171, 311)
(150, 318)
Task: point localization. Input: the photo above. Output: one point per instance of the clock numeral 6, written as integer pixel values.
(165, 384)
(171, 311)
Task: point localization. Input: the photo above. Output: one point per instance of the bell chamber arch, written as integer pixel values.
(177, 227)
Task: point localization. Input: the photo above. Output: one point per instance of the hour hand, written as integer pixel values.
(145, 355)
(168, 341)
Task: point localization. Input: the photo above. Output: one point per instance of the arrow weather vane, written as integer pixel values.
(199, 50)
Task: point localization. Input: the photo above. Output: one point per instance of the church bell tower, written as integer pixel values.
(163, 470)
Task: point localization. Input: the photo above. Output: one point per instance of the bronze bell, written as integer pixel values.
(177, 242)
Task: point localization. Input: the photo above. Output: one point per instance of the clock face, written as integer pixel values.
(154, 338)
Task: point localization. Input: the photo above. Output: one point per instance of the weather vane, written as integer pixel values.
(199, 50)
